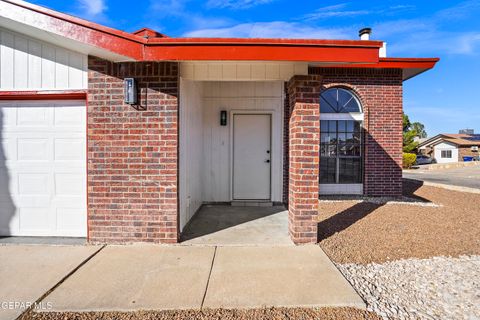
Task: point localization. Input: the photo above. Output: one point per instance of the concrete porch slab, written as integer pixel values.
(225, 225)
(137, 277)
(27, 272)
(253, 277)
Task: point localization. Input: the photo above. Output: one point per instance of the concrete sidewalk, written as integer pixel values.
(149, 277)
(27, 272)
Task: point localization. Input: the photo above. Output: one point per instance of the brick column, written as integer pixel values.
(304, 141)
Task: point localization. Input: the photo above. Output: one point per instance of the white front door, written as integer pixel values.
(43, 168)
(251, 156)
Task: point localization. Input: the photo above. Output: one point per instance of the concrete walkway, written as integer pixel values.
(227, 225)
(148, 277)
(28, 272)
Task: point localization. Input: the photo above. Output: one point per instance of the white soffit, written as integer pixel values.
(241, 70)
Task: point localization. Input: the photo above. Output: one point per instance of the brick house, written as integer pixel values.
(213, 120)
(451, 147)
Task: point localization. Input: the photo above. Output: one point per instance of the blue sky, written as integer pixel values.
(444, 99)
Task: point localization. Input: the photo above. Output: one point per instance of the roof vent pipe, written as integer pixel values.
(365, 33)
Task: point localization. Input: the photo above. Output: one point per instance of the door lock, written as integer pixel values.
(267, 161)
(268, 151)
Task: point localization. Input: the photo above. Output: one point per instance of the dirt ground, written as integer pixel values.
(363, 232)
(219, 314)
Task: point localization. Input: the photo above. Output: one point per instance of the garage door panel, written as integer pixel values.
(33, 149)
(69, 184)
(71, 117)
(8, 151)
(43, 168)
(70, 149)
(34, 219)
(32, 115)
(33, 184)
(68, 219)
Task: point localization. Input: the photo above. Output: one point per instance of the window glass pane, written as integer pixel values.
(349, 137)
(337, 100)
(327, 170)
(332, 126)
(352, 106)
(341, 125)
(357, 126)
(324, 125)
(325, 137)
(328, 101)
(343, 98)
(350, 170)
(341, 137)
(350, 126)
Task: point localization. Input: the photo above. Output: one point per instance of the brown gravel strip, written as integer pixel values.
(215, 314)
(352, 232)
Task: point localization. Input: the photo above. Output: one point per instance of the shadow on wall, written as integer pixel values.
(7, 207)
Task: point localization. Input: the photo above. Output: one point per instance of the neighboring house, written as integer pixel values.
(446, 147)
(215, 120)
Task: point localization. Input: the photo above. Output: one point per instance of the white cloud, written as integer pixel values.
(334, 11)
(275, 29)
(91, 8)
(236, 4)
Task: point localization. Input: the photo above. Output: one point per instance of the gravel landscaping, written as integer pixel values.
(436, 288)
(408, 261)
(367, 231)
(218, 314)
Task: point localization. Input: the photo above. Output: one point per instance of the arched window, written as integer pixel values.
(341, 141)
(339, 100)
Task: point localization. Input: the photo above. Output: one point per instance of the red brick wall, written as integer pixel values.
(380, 92)
(132, 153)
(466, 151)
(304, 145)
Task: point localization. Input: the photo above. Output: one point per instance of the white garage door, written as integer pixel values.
(43, 168)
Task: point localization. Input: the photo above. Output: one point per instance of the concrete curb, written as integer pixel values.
(444, 166)
(447, 186)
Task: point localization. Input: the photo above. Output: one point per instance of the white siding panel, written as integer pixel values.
(61, 68)
(29, 64)
(48, 66)
(34, 64)
(191, 164)
(6, 59)
(20, 74)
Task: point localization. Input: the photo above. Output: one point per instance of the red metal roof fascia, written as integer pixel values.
(75, 20)
(261, 52)
(44, 95)
(396, 63)
(84, 31)
(129, 45)
(266, 41)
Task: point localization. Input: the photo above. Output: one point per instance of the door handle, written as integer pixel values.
(267, 161)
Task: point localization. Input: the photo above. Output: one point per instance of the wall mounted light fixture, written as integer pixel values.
(130, 91)
(223, 118)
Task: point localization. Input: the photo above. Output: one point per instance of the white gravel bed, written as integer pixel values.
(436, 288)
